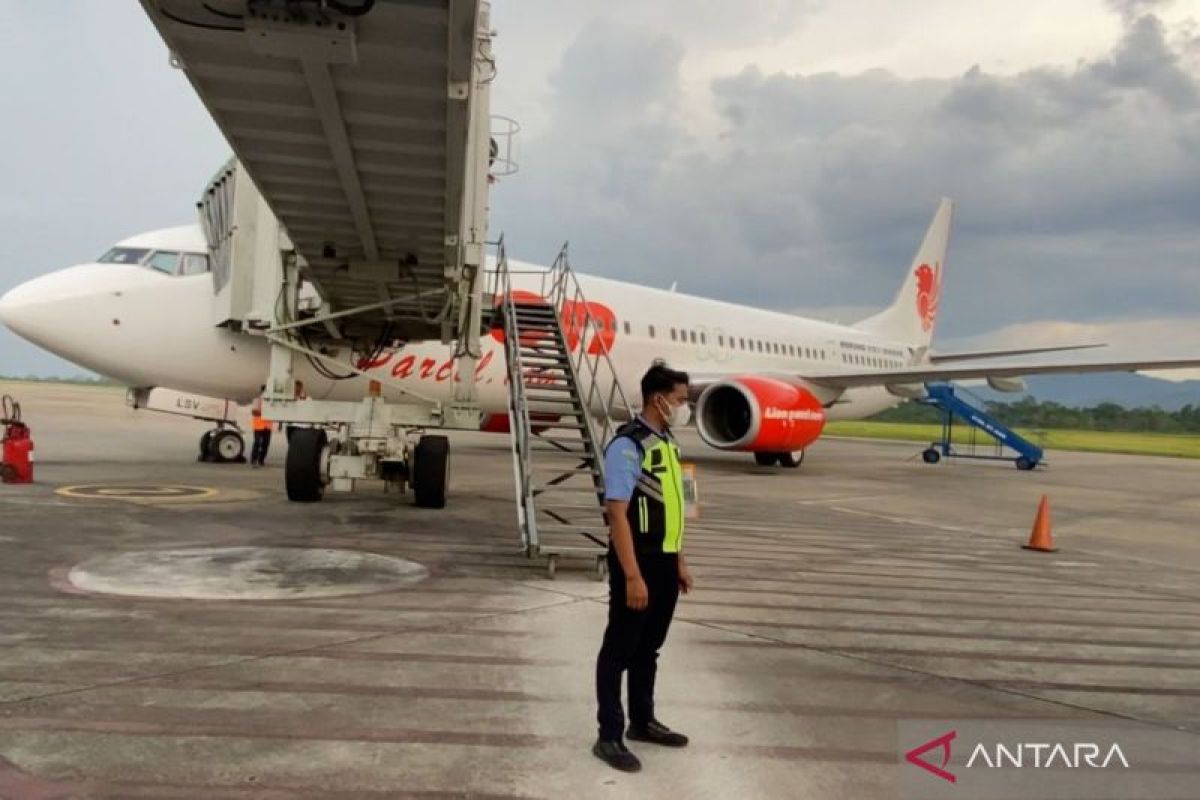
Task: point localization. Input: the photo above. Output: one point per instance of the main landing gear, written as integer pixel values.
(791, 460)
(314, 461)
(222, 445)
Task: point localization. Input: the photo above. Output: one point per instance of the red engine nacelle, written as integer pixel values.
(758, 414)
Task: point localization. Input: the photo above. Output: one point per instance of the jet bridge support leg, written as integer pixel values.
(337, 443)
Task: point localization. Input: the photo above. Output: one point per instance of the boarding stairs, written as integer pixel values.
(949, 399)
(565, 402)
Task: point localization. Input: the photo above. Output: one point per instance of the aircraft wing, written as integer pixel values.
(1015, 369)
(945, 358)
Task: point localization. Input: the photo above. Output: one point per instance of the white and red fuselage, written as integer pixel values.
(145, 327)
(143, 314)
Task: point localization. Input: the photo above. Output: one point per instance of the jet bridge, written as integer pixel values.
(360, 133)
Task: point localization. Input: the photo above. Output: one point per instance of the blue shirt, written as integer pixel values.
(622, 466)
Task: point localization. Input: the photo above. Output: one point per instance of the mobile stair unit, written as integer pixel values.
(565, 402)
(945, 398)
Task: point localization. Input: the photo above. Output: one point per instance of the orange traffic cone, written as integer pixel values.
(1040, 538)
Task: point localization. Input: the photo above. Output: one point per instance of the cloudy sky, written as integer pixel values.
(786, 153)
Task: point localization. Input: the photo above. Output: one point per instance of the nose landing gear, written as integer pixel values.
(222, 445)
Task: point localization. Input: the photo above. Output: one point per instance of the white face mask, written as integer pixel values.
(677, 415)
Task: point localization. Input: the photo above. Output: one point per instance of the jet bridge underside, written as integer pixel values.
(360, 131)
(364, 125)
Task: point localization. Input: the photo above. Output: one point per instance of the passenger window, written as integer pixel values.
(672, 334)
(627, 330)
(651, 328)
(720, 340)
(693, 335)
(703, 338)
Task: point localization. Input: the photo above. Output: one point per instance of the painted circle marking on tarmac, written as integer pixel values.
(244, 573)
(138, 492)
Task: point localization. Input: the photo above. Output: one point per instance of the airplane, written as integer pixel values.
(765, 382)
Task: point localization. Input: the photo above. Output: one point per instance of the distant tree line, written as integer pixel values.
(1028, 412)
(74, 379)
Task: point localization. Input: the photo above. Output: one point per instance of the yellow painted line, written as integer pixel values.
(110, 492)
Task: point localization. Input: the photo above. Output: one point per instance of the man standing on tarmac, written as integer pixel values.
(643, 486)
(262, 435)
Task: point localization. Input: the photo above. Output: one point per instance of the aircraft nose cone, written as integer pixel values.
(27, 310)
(18, 308)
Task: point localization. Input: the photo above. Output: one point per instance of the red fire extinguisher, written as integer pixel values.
(16, 462)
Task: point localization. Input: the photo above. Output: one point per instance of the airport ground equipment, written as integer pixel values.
(224, 443)
(354, 215)
(946, 398)
(16, 447)
(565, 401)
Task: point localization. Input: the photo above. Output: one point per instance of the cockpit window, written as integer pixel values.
(164, 261)
(193, 264)
(124, 255)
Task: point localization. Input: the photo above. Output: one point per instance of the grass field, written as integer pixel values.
(1149, 444)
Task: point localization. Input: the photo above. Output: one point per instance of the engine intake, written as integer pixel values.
(759, 414)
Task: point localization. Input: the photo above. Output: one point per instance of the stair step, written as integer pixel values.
(586, 453)
(588, 527)
(581, 506)
(541, 385)
(554, 401)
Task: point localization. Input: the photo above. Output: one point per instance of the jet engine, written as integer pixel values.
(752, 413)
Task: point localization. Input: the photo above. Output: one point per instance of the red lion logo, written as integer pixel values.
(929, 287)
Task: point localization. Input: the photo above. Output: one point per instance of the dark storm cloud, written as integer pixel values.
(1132, 9)
(1078, 189)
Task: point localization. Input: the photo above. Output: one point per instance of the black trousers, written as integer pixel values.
(262, 442)
(632, 641)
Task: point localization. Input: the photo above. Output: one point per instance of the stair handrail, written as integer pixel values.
(561, 286)
(518, 405)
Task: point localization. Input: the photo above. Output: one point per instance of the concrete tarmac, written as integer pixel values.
(831, 602)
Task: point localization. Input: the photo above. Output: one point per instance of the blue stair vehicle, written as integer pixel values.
(945, 398)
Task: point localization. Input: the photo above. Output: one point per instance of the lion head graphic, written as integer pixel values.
(929, 286)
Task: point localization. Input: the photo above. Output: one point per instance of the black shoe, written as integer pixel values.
(616, 755)
(656, 733)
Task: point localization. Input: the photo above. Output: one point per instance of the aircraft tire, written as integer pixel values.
(302, 470)
(206, 447)
(766, 459)
(227, 446)
(431, 471)
(791, 460)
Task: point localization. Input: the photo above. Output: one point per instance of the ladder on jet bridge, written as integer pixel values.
(564, 403)
(944, 397)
